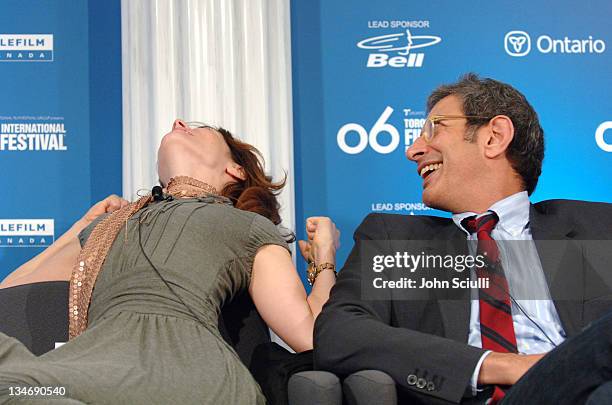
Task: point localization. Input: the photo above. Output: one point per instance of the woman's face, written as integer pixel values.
(196, 152)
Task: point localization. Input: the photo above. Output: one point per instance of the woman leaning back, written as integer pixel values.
(162, 269)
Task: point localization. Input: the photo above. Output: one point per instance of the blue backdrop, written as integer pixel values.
(361, 76)
(60, 118)
(362, 72)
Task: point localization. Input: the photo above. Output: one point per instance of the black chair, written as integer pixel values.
(36, 315)
(364, 387)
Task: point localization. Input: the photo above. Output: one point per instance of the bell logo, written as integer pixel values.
(396, 50)
(517, 43)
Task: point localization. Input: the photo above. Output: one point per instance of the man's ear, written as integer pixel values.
(236, 171)
(501, 133)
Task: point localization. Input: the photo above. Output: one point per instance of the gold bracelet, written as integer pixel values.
(314, 270)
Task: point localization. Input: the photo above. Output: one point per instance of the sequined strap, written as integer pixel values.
(90, 261)
(185, 186)
(92, 256)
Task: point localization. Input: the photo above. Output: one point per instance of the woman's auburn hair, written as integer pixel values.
(257, 193)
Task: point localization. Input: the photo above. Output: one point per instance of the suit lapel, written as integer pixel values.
(562, 265)
(455, 312)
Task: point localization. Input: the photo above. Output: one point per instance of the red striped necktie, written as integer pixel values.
(496, 328)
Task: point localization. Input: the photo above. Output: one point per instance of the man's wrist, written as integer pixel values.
(474, 380)
(497, 369)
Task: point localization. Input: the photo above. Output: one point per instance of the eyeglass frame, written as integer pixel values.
(436, 118)
(198, 124)
(193, 125)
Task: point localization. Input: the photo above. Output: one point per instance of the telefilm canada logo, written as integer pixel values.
(397, 50)
(518, 43)
(26, 232)
(26, 47)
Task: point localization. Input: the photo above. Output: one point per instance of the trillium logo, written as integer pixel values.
(517, 43)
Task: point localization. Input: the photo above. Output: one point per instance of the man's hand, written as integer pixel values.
(506, 368)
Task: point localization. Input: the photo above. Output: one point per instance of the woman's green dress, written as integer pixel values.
(150, 341)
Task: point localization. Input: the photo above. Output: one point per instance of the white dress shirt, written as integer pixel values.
(525, 276)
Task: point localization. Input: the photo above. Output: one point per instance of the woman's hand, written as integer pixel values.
(55, 263)
(323, 240)
(109, 204)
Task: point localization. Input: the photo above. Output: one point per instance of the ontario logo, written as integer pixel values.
(26, 47)
(518, 43)
(26, 232)
(396, 50)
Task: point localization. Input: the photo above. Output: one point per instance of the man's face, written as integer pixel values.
(449, 165)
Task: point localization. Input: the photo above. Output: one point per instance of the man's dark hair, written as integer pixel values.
(488, 98)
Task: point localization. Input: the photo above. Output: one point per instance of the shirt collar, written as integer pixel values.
(513, 213)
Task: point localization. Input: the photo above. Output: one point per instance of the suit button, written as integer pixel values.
(421, 383)
(431, 386)
(412, 379)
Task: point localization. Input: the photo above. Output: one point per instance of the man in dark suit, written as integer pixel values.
(480, 155)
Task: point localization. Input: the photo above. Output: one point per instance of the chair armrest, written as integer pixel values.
(369, 387)
(35, 314)
(602, 395)
(314, 387)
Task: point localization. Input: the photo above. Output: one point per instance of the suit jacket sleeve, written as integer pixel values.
(352, 334)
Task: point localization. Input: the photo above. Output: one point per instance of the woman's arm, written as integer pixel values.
(278, 292)
(55, 263)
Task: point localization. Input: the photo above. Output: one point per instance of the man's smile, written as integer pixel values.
(426, 170)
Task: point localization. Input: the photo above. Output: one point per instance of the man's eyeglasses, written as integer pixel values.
(429, 128)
